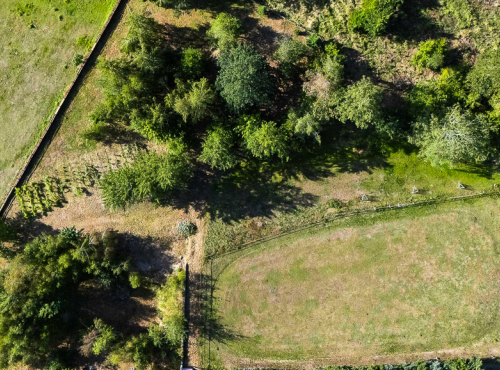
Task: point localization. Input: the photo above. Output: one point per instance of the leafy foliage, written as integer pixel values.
(460, 137)
(225, 31)
(462, 12)
(430, 54)
(217, 149)
(361, 105)
(39, 285)
(373, 16)
(195, 103)
(143, 34)
(192, 63)
(152, 177)
(431, 96)
(244, 81)
(484, 77)
(289, 53)
(263, 139)
(171, 307)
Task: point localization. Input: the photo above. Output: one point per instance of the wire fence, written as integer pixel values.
(215, 265)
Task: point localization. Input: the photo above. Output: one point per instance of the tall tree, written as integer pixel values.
(361, 104)
(244, 80)
(459, 137)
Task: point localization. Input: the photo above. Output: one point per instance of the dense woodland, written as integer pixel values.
(226, 104)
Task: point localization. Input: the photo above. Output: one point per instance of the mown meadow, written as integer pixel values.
(42, 45)
(417, 282)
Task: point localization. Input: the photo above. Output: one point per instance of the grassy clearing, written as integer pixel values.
(39, 41)
(409, 283)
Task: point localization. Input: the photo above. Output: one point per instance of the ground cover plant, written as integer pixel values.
(383, 285)
(41, 40)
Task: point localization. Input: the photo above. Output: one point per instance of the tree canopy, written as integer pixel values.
(244, 80)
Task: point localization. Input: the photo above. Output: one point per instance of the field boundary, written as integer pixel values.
(51, 129)
(342, 215)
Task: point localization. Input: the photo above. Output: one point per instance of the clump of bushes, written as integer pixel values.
(151, 176)
(431, 54)
(373, 16)
(289, 53)
(473, 363)
(224, 31)
(85, 42)
(77, 59)
(192, 63)
(262, 10)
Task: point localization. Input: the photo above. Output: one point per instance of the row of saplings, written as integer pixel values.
(55, 290)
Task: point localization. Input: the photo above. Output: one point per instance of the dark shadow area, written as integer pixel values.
(206, 320)
(263, 38)
(259, 189)
(356, 66)
(179, 37)
(410, 22)
(148, 255)
(114, 134)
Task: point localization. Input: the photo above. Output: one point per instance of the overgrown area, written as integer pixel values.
(51, 314)
(210, 124)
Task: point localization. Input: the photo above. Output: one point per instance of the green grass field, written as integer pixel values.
(40, 39)
(398, 283)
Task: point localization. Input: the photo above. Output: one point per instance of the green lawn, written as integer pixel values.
(39, 40)
(398, 283)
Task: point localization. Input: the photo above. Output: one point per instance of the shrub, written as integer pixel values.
(263, 139)
(430, 54)
(186, 229)
(170, 305)
(135, 280)
(151, 176)
(217, 149)
(373, 16)
(289, 54)
(461, 11)
(85, 42)
(244, 80)
(262, 10)
(431, 96)
(361, 105)
(459, 137)
(225, 31)
(314, 40)
(104, 338)
(484, 77)
(192, 63)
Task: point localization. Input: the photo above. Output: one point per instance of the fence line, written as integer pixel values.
(51, 130)
(209, 288)
(343, 215)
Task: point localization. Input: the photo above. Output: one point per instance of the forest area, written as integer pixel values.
(198, 137)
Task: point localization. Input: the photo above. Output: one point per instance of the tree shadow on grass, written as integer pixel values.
(206, 318)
